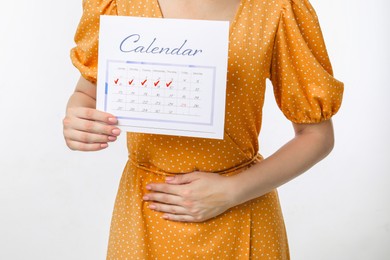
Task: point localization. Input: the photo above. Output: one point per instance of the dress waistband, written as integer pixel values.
(154, 169)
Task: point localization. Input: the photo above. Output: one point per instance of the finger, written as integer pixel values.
(164, 188)
(93, 114)
(90, 126)
(171, 209)
(85, 137)
(79, 146)
(164, 198)
(180, 218)
(182, 178)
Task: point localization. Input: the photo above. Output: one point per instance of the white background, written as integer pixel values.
(57, 204)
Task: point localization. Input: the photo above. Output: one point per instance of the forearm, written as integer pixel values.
(84, 95)
(308, 147)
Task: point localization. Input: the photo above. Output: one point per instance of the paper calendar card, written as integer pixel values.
(164, 76)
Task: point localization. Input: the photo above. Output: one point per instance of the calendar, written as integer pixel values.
(161, 79)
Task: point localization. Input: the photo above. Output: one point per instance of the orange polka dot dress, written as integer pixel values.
(276, 39)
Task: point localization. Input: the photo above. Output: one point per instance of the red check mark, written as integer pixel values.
(169, 83)
(143, 82)
(156, 83)
(131, 81)
(116, 81)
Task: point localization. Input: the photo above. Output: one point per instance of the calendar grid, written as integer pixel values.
(139, 89)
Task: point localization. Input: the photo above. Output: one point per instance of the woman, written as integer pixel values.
(182, 197)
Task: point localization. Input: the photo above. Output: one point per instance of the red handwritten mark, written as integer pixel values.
(116, 81)
(143, 82)
(131, 81)
(169, 83)
(156, 83)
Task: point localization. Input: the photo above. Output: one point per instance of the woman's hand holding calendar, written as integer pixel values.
(85, 128)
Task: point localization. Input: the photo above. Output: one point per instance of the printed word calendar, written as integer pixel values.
(158, 76)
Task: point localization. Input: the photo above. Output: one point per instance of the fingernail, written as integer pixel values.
(112, 120)
(116, 131)
(103, 145)
(148, 187)
(112, 138)
(145, 198)
(169, 178)
(165, 217)
(152, 206)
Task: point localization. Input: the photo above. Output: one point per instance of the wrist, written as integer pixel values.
(234, 191)
(244, 186)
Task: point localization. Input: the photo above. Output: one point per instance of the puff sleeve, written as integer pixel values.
(85, 55)
(301, 73)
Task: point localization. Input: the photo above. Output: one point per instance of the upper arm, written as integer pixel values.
(322, 131)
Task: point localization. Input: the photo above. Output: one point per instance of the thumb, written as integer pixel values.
(181, 178)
